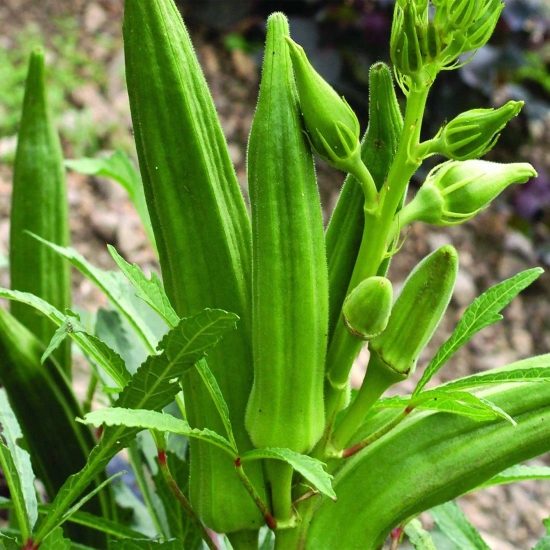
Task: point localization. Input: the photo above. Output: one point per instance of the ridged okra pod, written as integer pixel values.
(417, 311)
(345, 230)
(289, 271)
(203, 236)
(39, 205)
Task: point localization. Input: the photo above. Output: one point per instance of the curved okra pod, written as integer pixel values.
(39, 205)
(289, 272)
(202, 232)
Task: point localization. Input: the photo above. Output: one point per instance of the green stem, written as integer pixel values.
(90, 392)
(181, 498)
(279, 475)
(344, 347)
(378, 379)
(136, 462)
(346, 453)
(269, 519)
(244, 540)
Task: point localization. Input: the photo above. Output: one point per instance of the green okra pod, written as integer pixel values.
(39, 205)
(289, 271)
(202, 232)
(417, 311)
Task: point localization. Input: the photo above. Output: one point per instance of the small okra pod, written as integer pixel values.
(417, 311)
(367, 309)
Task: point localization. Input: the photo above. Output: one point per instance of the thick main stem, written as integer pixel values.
(344, 347)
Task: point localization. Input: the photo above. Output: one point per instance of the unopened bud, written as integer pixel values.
(417, 311)
(332, 126)
(472, 134)
(456, 191)
(367, 309)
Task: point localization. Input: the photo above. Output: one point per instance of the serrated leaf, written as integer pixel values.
(153, 420)
(11, 432)
(113, 285)
(312, 469)
(90, 345)
(7, 543)
(144, 544)
(456, 402)
(118, 167)
(56, 541)
(150, 290)
(58, 337)
(152, 387)
(452, 521)
(519, 472)
(217, 397)
(533, 369)
(16, 491)
(419, 537)
(483, 311)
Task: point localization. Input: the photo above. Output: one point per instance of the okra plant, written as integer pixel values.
(228, 380)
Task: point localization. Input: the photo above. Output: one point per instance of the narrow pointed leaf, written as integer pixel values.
(150, 290)
(16, 490)
(519, 472)
(153, 420)
(313, 470)
(119, 168)
(113, 285)
(56, 541)
(153, 387)
(99, 352)
(452, 521)
(217, 397)
(483, 311)
(11, 432)
(419, 537)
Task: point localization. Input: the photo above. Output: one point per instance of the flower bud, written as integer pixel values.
(456, 191)
(417, 311)
(367, 309)
(473, 133)
(332, 126)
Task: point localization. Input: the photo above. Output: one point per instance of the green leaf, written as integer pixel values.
(543, 543)
(150, 290)
(152, 387)
(451, 520)
(11, 432)
(90, 345)
(456, 402)
(312, 469)
(113, 285)
(16, 491)
(144, 544)
(118, 167)
(7, 543)
(519, 472)
(483, 311)
(533, 369)
(153, 420)
(268, 542)
(217, 397)
(419, 537)
(56, 541)
(59, 336)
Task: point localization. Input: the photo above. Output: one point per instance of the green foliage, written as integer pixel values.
(227, 377)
